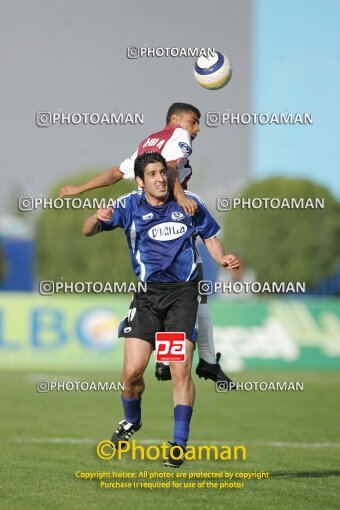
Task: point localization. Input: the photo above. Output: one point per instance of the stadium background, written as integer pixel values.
(71, 57)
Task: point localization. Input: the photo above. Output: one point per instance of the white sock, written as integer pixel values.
(205, 337)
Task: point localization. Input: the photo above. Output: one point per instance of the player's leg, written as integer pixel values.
(183, 385)
(183, 397)
(181, 317)
(136, 357)
(208, 365)
(205, 333)
(138, 328)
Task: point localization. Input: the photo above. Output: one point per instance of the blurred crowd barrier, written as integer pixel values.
(80, 332)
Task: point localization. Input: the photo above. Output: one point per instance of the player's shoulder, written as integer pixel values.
(170, 132)
(195, 197)
(129, 199)
(171, 141)
(156, 141)
(180, 140)
(164, 133)
(181, 133)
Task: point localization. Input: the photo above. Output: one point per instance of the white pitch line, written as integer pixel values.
(278, 444)
(281, 444)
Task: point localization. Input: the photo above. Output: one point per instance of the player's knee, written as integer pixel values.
(180, 374)
(132, 375)
(181, 381)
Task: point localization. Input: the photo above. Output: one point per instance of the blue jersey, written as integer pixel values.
(161, 238)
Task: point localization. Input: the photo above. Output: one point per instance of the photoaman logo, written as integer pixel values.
(106, 450)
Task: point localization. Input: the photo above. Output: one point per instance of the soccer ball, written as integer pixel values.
(213, 72)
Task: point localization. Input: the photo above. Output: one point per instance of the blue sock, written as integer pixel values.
(132, 410)
(182, 416)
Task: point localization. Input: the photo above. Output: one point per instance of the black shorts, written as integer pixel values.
(163, 307)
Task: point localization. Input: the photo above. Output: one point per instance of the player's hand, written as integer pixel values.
(69, 190)
(104, 213)
(189, 205)
(230, 262)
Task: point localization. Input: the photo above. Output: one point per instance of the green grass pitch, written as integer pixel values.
(46, 438)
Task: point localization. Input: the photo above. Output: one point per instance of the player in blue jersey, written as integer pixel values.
(161, 239)
(174, 143)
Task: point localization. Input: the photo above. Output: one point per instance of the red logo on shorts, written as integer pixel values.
(170, 346)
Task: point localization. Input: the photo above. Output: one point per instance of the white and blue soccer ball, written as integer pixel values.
(213, 72)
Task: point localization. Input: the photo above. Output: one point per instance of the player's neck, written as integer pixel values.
(154, 201)
(172, 125)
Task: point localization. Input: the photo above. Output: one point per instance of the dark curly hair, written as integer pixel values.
(144, 159)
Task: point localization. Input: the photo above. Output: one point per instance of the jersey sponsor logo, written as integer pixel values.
(127, 330)
(177, 215)
(152, 142)
(147, 216)
(170, 346)
(167, 231)
(185, 148)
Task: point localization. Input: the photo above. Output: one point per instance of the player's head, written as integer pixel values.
(185, 115)
(151, 174)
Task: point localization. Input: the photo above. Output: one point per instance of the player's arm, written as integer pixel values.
(175, 150)
(107, 178)
(189, 206)
(91, 225)
(216, 250)
(208, 228)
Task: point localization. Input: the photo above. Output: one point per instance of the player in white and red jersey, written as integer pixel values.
(174, 143)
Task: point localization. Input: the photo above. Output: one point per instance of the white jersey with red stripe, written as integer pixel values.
(173, 143)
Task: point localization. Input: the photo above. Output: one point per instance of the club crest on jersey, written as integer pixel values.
(177, 215)
(147, 216)
(167, 231)
(185, 148)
